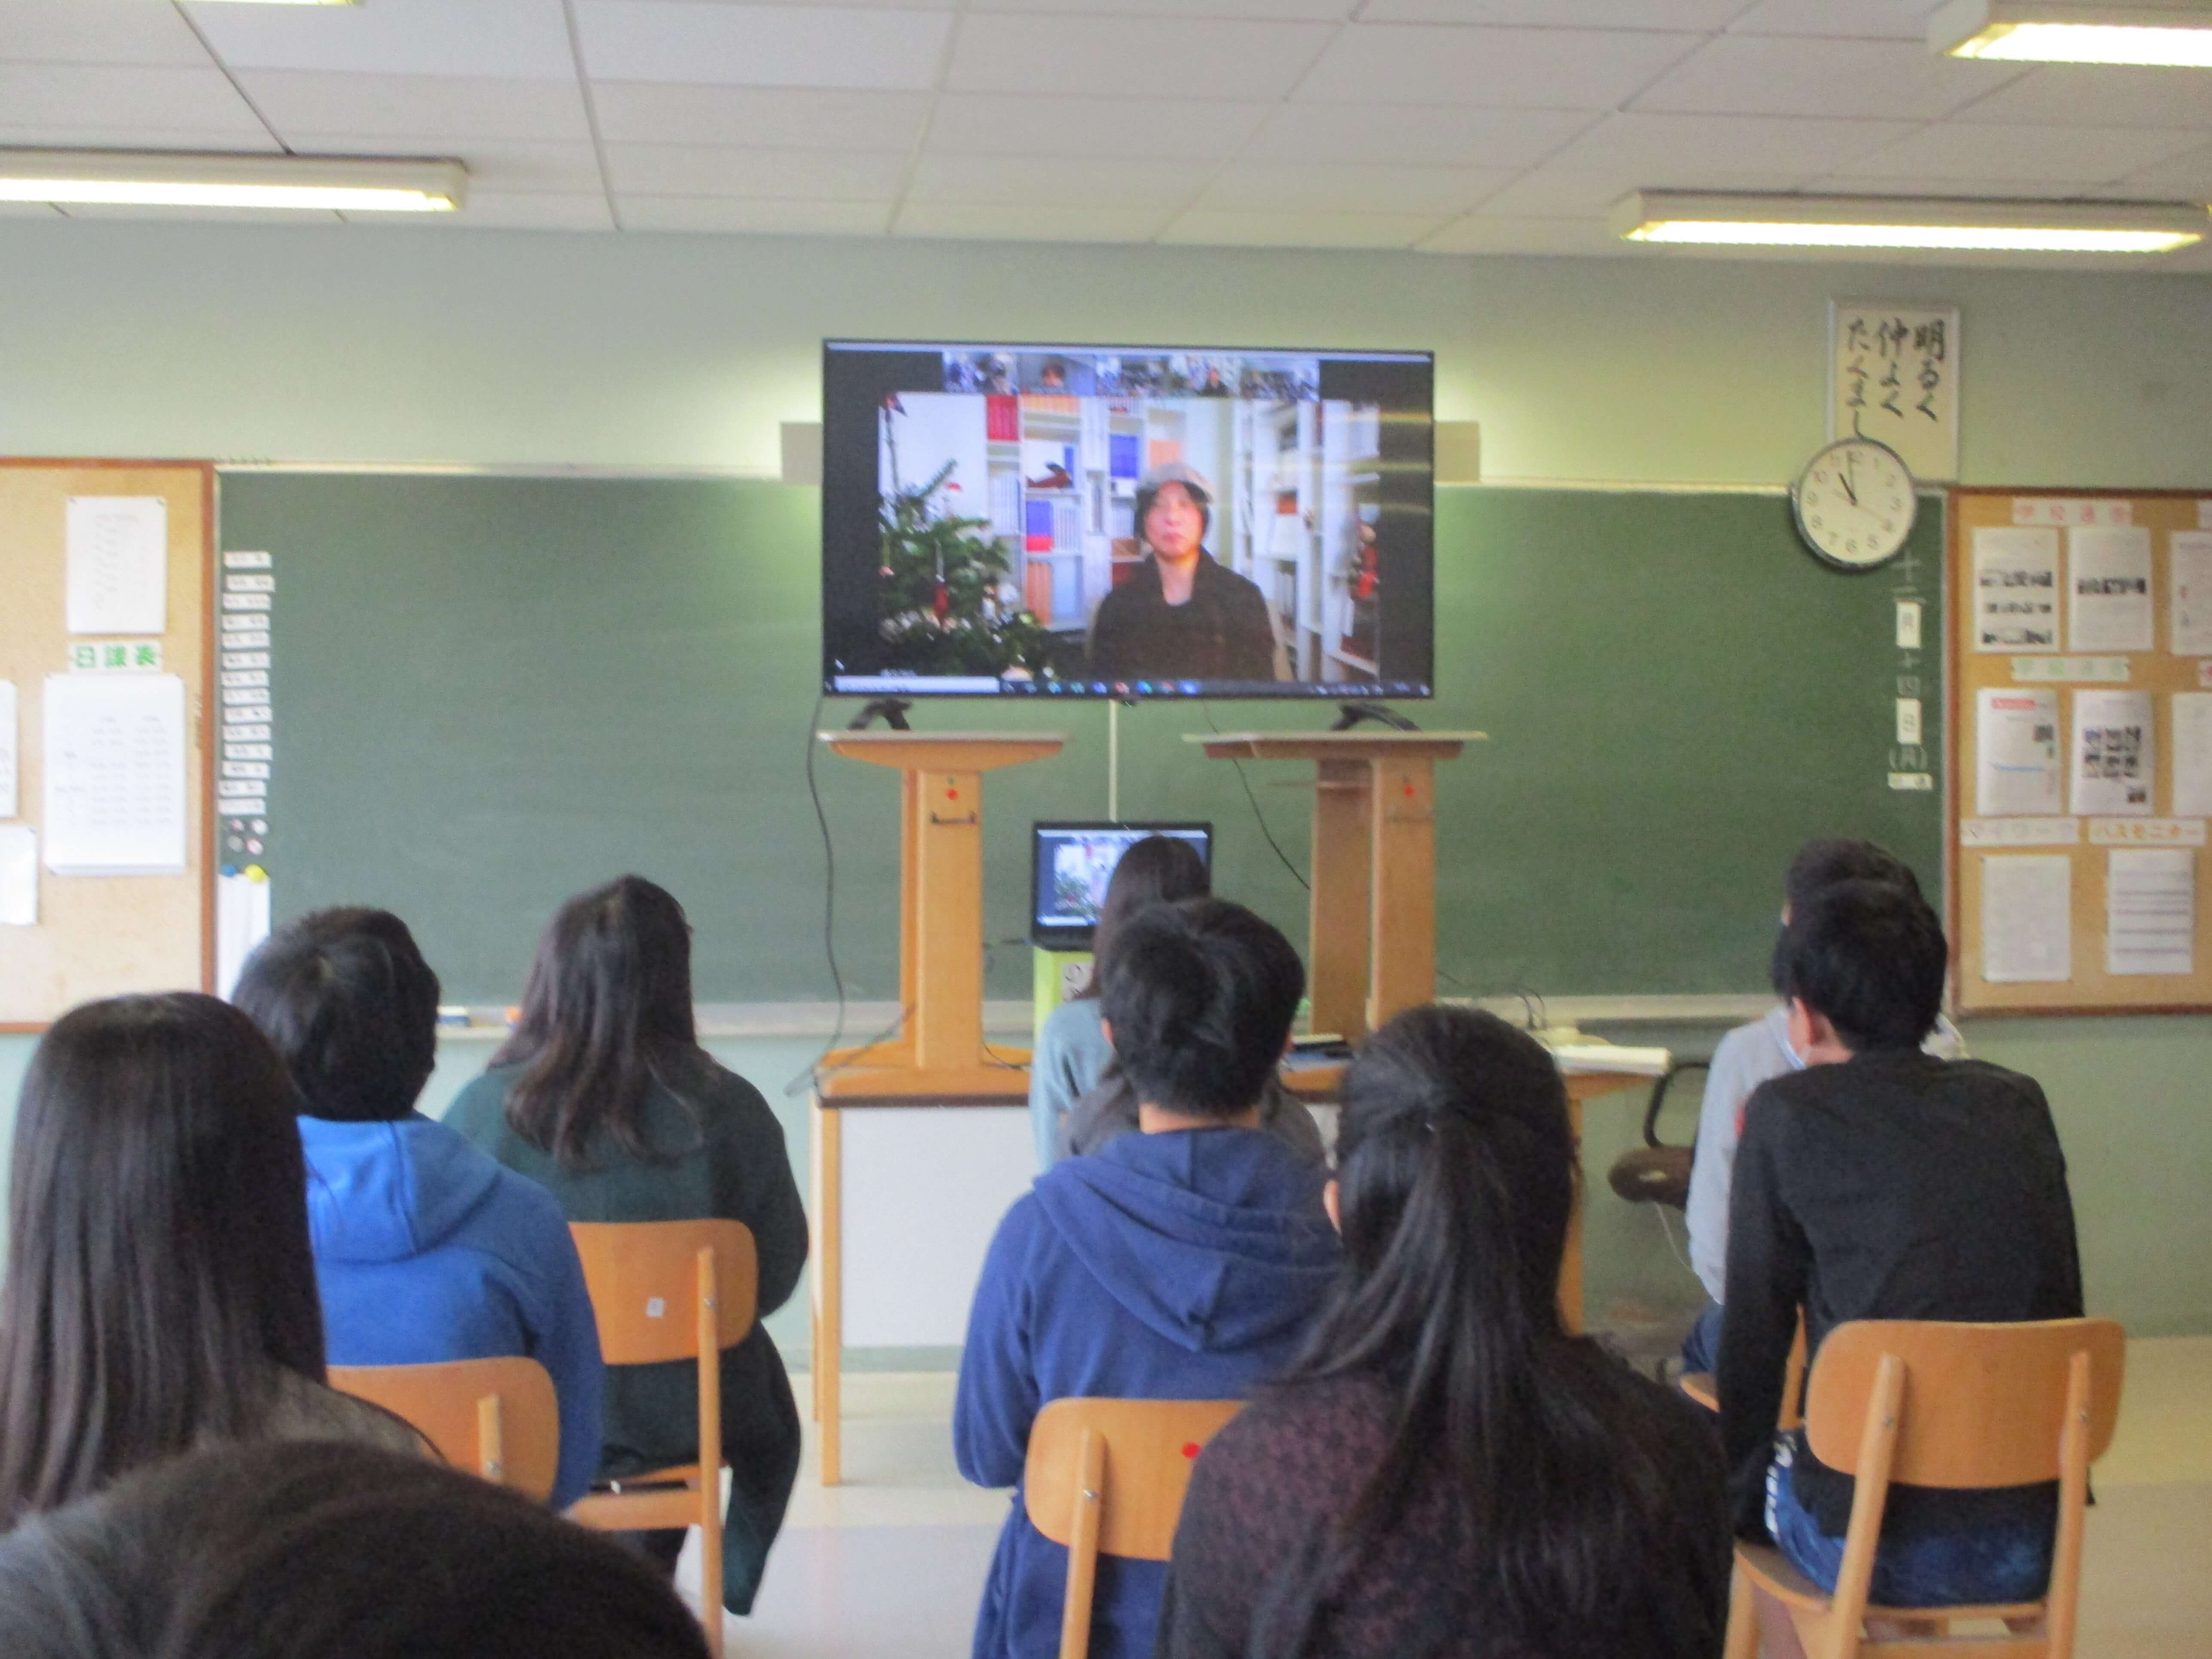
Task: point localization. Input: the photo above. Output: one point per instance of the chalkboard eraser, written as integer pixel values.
(449, 1015)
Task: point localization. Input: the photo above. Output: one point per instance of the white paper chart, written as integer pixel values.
(19, 876)
(2027, 918)
(118, 564)
(2189, 611)
(10, 747)
(2115, 753)
(2150, 911)
(2015, 589)
(2108, 588)
(2016, 764)
(2192, 754)
(114, 774)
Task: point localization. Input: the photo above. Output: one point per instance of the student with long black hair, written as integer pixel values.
(160, 1291)
(603, 1096)
(1445, 1471)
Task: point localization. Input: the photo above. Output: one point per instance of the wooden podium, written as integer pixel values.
(938, 1057)
(1373, 947)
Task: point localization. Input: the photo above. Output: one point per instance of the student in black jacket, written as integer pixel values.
(1883, 1183)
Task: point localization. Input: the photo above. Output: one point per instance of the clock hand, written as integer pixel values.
(1851, 470)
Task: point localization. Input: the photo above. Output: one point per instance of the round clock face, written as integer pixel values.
(1854, 503)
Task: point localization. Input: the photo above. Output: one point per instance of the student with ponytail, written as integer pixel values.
(1446, 1473)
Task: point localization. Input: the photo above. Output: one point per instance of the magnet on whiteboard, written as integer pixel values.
(255, 873)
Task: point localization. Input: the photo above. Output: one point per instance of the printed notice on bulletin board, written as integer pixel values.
(1893, 377)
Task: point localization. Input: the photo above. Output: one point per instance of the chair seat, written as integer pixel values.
(686, 1474)
(1653, 1175)
(1772, 1572)
(1699, 1385)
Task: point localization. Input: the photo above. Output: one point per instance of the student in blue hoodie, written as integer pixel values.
(1180, 1263)
(425, 1248)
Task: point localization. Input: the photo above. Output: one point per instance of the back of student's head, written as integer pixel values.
(1457, 1171)
(1158, 870)
(1827, 859)
(158, 1263)
(1201, 996)
(326, 1551)
(1870, 955)
(352, 1006)
(606, 1013)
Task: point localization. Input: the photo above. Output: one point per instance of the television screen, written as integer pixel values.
(1125, 521)
(1071, 865)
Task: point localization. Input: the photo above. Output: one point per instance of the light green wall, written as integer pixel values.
(396, 345)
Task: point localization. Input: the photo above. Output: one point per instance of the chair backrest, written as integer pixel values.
(1984, 1404)
(1150, 1445)
(496, 1418)
(643, 1279)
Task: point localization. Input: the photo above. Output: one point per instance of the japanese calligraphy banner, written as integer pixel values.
(1893, 377)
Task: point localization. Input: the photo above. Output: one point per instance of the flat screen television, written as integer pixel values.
(1126, 521)
(1070, 865)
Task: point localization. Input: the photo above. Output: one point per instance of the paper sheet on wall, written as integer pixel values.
(2108, 588)
(118, 564)
(9, 748)
(2115, 753)
(2189, 615)
(2150, 911)
(19, 876)
(2027, 919)
(115, 774)
(2192, 754)
(241, 922)
(2016, 768)
(2015, 589)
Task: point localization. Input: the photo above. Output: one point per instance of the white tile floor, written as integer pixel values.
(889, 1566)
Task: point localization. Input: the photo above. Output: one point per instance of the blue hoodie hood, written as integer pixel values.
(389, 1191)
(1215, 1238)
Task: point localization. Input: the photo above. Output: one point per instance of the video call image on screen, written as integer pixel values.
(1074, 862)
(1126, 521)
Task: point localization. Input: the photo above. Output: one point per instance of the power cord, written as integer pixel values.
(808, 1072)
(1258, 816)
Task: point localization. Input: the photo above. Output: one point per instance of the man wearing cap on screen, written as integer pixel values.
(1180, 614)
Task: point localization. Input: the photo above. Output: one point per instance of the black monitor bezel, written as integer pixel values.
(1079, 938)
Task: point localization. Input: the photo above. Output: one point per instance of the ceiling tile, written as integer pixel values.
(2062, 155)
(705, 213)
(1413, 135)
(1653, 144)
(487, 210)
(499, 167)
(1485, 232)
(1169, 57)
(125, 98)
(1765, 74)
(97, 32)
(2185, 177)
(503, 40)
(800, 117)
(393, 108)
(1550, 192)
(1353, 188)
(761, 45)
(829, 176)
(1038, 222)
(1218, 228)
(1318, 11)
(1007, 124)
(69, 138)
(30, 211)
(1020, 180)
(1862, 19)
(2071, 95)
(1877, 183)
(1382, 64)
(1692, 16)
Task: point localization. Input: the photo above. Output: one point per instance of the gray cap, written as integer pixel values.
(1180, 472)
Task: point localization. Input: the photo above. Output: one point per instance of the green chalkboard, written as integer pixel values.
(493, 692)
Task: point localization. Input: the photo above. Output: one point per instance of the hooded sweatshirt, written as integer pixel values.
(427, 1249)
(1180, 1265)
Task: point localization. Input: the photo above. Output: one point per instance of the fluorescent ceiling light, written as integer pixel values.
(2176, 34)
(160, 178)
(1853, 222)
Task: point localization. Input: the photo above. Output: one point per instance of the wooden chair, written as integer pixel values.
(1700, 1387)
(1109, 1475)
(498, 1418)
(1944, 1405)
(663, 1291)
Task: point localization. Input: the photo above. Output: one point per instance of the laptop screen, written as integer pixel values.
(1071, 865)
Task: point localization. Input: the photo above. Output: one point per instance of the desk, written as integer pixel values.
(1316, 1084)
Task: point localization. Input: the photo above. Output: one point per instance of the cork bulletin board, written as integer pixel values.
(2081, 749)
(124, 921)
